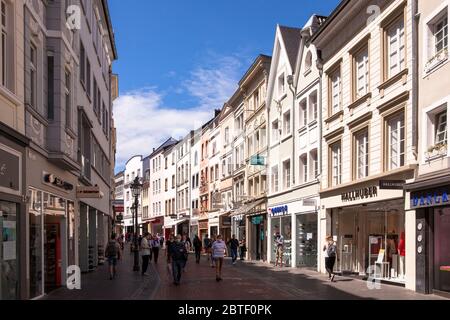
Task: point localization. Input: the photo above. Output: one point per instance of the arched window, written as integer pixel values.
(308, 61)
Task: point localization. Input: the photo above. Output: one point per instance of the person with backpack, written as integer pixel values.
(178, 257)
(197, 248)
(112, 253)
(234, 245)
(145, 252)
(330, 257)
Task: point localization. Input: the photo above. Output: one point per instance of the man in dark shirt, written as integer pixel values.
(234, 245)
(178, 257)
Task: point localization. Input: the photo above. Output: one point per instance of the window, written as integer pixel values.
(335, 91)
(303, 168)
(68, 98)
(313, 111)
(227, 136)
(361, 73)
(230, 165)
(250, 187)
(211, 173)
(441, 129)
(396, 53)
(216, 175)
(196, 158)
(256, 99)
(308, 61)
(263, 139)
(281, 85)
(287, 123)
(440, 34)
(275, 131)
(166, 185)
(4, 44)
(314, 172)
(396, 141)
(361, 149)
(50, 87)
(166, 163)
(88, 78)
(303, 114)
(33, 77)
(250, 145)
(224, 167)
(275, 179)
(336, 164)
(214, 148)
(82, 64)
(287, 174)
(173, 181)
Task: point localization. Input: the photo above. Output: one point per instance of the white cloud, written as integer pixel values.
(143, 122)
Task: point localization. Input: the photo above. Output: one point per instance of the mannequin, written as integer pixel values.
(401, 252)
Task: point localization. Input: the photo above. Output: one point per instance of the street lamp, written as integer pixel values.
(136, 188)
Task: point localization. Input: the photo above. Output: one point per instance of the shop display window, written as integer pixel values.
(307, 240)
(442, 249)
(282, 225)
(8, 251)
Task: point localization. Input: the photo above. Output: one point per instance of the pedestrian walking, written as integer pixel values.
(213, 261)
(187, 245)
(279, 245)
(234, 245)
(219, 250)
(207, 246)
(145, 252)
(243, 248)
(330, 257)
(112, 253)
(156, 245)
(178, 258)
(197, 248)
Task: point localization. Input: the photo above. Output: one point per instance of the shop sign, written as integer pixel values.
(89, 193)
(257, 161)
(279, 211)
(430, 199)
(392, 184)
(118, 206)
(57, 182)
(309, 202)
(360, 194)
(257, 220)
(226, 221)
(9, 170)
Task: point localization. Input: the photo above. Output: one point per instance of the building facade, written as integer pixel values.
(133, 169)
(367, 144)
(281, 141)
(427, 196)
(183, 154)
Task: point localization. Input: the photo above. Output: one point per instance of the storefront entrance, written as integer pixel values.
(258, 241)
(283, 225)
(371, 240)
(442, 249)
(307, 240)
(8, 251)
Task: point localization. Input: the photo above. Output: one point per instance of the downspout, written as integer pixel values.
(415, 16)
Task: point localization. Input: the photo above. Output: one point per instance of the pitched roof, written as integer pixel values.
(291, 39)
(169, 142)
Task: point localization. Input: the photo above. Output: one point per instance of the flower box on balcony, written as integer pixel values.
(436, 61)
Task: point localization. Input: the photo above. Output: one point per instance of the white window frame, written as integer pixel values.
(361, 159)
(4, 56)
(336, 163)
(433, 60)
(275, 179)
(287, 127)
(400, 50)
(336, 90)
(361, 64)
(281, 85)
(394, 161)
(286, 174)
(303, 168)
(275, 131)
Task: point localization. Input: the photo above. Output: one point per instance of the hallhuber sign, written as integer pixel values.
(360, 194)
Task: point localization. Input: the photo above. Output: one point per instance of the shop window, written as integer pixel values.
(395, 127)
(9, 259)
(282, 225)
(441, 249)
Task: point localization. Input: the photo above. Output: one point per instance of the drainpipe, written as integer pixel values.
(415, 16)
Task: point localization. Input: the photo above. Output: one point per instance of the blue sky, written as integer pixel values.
(181, 59)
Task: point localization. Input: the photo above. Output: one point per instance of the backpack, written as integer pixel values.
(331, 251)
(111, 250)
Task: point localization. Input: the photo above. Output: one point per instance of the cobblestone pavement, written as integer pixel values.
(243, 281)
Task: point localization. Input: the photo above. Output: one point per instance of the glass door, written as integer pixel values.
(9, 282)
(35, 250)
